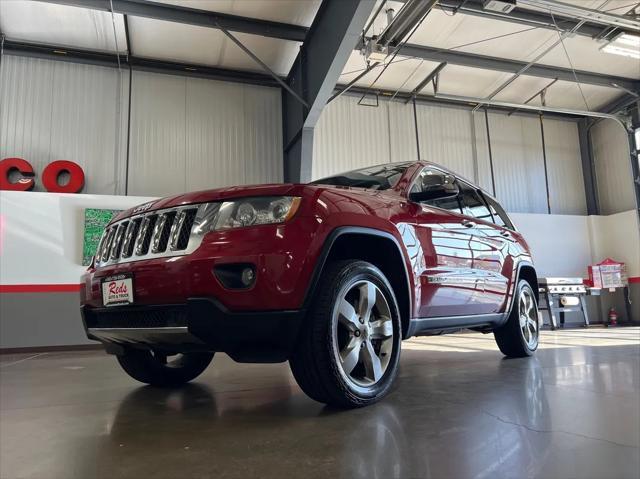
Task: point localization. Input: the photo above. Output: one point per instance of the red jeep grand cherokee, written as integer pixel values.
(330, 276)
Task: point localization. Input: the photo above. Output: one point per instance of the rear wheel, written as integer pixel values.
(159, 369)
(348, 352)
(519, 336)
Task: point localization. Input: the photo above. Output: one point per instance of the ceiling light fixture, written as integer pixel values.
(624, 44)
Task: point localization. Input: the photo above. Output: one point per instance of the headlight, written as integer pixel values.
(255, 211)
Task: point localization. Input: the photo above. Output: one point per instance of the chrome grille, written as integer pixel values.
(168, 232)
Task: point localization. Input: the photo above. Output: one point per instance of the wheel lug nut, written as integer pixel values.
(357, 333)
(361, 320)
(362, 344)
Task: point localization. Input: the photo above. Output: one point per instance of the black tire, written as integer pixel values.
(156, 369)
(315, 363)
(511, 337)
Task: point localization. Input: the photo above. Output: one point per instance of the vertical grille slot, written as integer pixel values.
(162, 231)
(101, 244)
(104, 255)
(116, 247)
(185, 231)
(130, 237)
(148, 226)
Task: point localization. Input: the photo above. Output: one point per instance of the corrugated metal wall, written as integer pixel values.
(613, 168)
(189, 134)
(445, 137)
(564, 166)
(64, 111)
(186, 133)
(518, 162)
(351, 136)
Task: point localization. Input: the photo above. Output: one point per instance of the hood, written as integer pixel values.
(205, 196)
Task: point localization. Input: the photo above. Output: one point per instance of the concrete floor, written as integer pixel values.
(458, 410)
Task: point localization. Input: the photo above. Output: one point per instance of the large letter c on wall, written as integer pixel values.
(54, 170)
(21, 166)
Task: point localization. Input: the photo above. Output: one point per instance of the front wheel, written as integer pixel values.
(159, 369)
(349, 350)
(519, 336)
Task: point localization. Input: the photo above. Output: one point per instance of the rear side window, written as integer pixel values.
(473, 204)
(499, 215)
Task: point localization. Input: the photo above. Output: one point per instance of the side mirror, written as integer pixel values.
(436, 187)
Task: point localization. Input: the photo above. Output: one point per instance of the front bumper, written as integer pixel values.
(200, 324)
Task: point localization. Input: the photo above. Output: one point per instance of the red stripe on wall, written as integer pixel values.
(39, 288)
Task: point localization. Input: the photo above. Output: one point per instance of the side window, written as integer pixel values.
(499, 215)
(431, 176)
(473, 204)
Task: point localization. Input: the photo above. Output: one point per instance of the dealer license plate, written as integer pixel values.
(117, 290)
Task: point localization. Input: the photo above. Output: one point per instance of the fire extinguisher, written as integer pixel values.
(613, 317)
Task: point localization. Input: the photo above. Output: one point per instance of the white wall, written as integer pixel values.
(564, 245)
(41, 234)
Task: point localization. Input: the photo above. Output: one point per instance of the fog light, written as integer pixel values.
(247, 276)
(236, 275)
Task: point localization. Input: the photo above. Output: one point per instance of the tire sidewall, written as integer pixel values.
(350, 275)
(524, 285)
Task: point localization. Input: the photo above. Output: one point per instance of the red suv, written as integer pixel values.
(330, 276)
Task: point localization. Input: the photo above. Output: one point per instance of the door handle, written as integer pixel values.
(468, 223)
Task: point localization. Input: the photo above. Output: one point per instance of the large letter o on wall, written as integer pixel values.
(52, 172)
(21, 166)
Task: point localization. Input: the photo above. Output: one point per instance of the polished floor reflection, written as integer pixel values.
(459, 410)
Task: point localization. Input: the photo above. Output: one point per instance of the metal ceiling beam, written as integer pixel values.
(192, 16)
(431, 76)
(521, 106)
(335, 32)
(438, 101)
(89, 57)
(621, 103)
(522, 16)
(486, 62)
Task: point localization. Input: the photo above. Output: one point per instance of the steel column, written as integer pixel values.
(334, 34)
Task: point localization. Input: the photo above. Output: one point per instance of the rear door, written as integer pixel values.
(491, 250)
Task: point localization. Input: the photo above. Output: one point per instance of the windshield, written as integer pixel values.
(379, 177)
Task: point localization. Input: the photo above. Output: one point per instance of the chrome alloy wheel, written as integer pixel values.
(362, 334)
(528, 317)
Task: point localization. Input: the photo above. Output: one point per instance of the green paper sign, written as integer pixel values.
(95, 221)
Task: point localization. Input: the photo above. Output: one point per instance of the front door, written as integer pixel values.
(460, 260)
